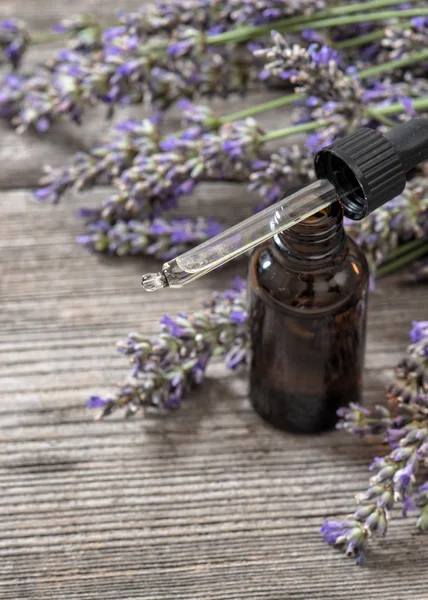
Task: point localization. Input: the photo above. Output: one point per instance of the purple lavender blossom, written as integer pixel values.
(13, 41)
(419, 331)
(399, 43)
(156, 182)
(159, 238)
(361, 421)
(212, 15)
(406, 427)
(350, 535)
(103, 163)
(168, 366)
(401, 220)
(333, 99)
(286, 168)
(85, 30)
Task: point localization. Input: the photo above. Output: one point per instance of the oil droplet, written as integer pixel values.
(153, 281)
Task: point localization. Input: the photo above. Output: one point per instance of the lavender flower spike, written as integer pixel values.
(159, 238)
(404, 425)
(168, 366)
(13, 41)
(102, 163)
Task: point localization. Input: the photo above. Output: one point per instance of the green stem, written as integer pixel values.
(243, 34)
(265, 29)
(403, 260)
(400, 250)
(394, 64)
(362, 40)
(379, 117)
(376, 113)
(259, 108)
(292, 130)
(44, 38)
(397, 107)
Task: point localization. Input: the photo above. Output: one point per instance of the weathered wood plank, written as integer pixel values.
(208, 502)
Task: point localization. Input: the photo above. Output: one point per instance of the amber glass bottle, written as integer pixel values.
(308, 302)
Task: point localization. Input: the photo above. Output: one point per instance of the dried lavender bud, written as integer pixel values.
(349, 534)
(403, 219)
(159, 53)
(361, 421)
(155, 182)
(405, 427)
(159, 238)
(165, 368)
(287, 167)
(13, 41)
(332, 97)
(386, 91)
(85, 30)
(199, 14)
(103, 163)
(63, 87)
(399, 43)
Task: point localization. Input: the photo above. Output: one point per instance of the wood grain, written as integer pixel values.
(208, 503)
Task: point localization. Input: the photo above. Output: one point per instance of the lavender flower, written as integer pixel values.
(384, 92)
(159, 53)
(159, 238)
(155, 182)
(85, 30)
(103, 163)
(286, 168)
(361, 421)
(13, 41)
(166, 367)
(334, 99)
(64, 86)
(404, 425)
(199, 14)
(400, 43)
(403, 219)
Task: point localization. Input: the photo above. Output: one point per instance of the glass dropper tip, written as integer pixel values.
(154, 281)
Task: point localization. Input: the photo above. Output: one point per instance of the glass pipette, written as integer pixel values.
(242, 237)
(363, 170)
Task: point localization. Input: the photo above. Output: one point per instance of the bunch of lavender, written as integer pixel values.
(386, 92)
(166, 367)
(402, 222)
(399, 43)
(155, 182)
(85, 32)
(13, 41)
(146, 55)
(103, 163)
(165, 53)
(332, 97)
(404, 425)
(284, 169)
(169, 16)
(158, 238)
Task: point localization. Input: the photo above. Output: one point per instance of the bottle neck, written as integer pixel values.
(318, 238)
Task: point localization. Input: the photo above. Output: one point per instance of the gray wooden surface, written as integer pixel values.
(207, 504)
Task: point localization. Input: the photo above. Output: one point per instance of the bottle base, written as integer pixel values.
(300, 413)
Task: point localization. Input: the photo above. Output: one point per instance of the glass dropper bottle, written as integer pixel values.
(362, 171)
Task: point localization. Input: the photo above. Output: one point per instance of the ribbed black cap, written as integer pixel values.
(366, 170)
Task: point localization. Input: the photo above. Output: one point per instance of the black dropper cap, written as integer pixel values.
(369, 169)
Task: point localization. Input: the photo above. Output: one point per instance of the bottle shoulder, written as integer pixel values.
(306, 287)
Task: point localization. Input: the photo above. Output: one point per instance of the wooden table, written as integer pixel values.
(206, 504)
